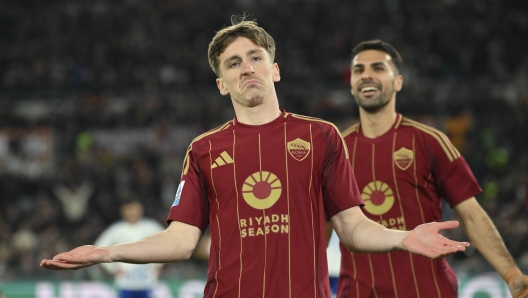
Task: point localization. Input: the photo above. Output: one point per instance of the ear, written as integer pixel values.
(398, 83)
(275, 74)
(221, 86)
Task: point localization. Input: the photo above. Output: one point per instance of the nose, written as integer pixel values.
(365, 75)
(248, 68)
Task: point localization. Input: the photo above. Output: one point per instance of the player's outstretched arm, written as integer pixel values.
(360, 234)
(176, 243)
(484, 235)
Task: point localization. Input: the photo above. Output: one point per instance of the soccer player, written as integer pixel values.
(403, 169)
(265, 183)
(131, 280)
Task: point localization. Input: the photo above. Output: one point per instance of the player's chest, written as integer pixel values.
(263, 164)
(398, 160)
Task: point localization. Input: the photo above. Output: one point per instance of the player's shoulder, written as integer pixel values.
(351, 131)
(434, 138)
(423, 129)
(323, 124)
(215, 132)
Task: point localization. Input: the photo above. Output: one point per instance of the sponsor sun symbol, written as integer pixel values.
(262, 190)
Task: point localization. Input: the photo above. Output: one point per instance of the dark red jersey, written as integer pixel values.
(266, 192)
(403, 177)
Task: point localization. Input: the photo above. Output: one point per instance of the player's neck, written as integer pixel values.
(376, 124)
(258, 115)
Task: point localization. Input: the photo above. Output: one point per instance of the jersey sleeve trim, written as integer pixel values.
(205, 134)
(312, 119)
(450, 150)
(399, 120)
(352, 129)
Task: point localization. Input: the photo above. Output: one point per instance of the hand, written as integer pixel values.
(519, 287)
(77, 258)
(517, 283)
(426, 240)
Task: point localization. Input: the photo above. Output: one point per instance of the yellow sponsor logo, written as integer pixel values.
(378, 197)
(223, 159)
(397, 223)
(263, 225)
(262, 190)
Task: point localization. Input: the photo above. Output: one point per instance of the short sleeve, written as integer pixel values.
(340, 190)
(455, 179)
(191, 205)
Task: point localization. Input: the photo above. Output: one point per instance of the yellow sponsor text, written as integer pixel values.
(263, 225)
(397, 223)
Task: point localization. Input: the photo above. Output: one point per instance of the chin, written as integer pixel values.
(254, 100)
(254, 103)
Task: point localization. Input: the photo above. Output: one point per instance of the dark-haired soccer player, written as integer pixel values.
(265, 183)
(403, 170)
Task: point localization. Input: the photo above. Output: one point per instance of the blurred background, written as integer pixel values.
(100, 99)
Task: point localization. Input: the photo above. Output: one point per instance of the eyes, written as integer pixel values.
(237, 63)
(376, 68)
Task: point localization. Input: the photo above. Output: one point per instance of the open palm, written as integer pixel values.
(77, 258)
(426, 240)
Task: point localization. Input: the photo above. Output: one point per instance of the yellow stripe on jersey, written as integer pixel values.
(189, 149)
(288, 206)
(219, 161)
(351, 129)
(312, 214)
(398, 121)
(217, 222)
(186, 161)
(323, 121)
(226, 157)
(238, 215)
(393, 276)
(450, 150)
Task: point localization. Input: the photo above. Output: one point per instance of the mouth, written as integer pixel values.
(368, 90)
(250, 83)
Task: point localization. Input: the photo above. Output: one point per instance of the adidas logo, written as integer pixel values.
(223, 159)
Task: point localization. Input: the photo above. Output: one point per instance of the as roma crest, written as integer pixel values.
(299, 149)
(403, 158)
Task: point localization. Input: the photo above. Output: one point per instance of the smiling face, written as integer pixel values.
(374, 80)
(247, 73)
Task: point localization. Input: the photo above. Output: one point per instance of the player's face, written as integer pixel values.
(246, 73)
(374, 80)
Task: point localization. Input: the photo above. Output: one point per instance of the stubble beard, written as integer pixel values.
(373, 104)
(252, 98)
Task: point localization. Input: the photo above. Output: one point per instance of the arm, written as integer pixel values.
(360, 234)
(203, 248)
(106, 239)
(482, 232)
(176, 243)
(328, 231)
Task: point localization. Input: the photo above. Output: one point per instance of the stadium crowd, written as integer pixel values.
(99, 101)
